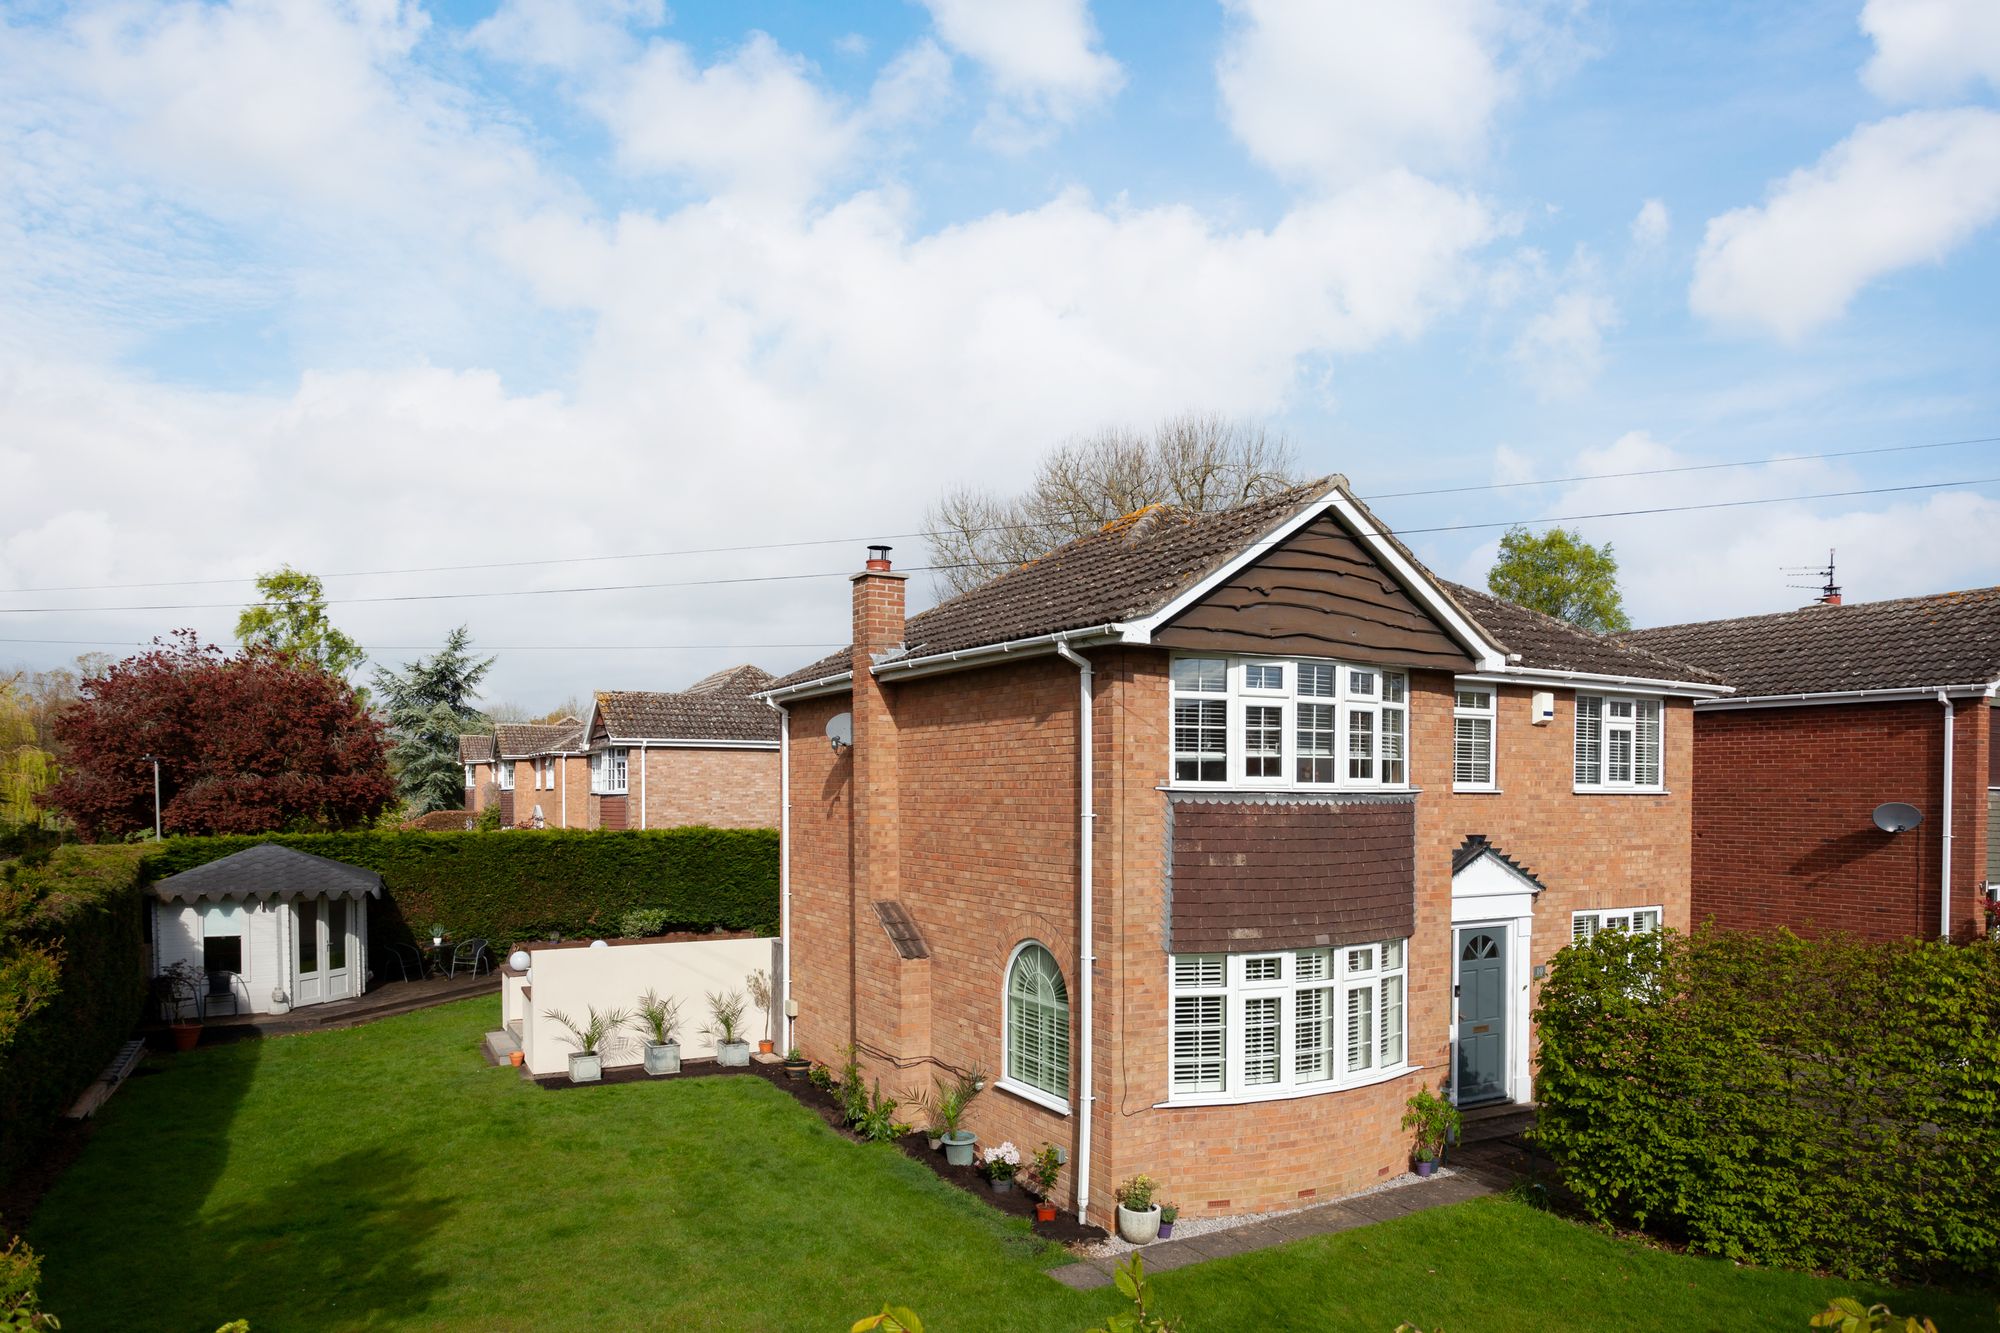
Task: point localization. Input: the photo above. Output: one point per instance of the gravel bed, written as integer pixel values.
(1113, 1247)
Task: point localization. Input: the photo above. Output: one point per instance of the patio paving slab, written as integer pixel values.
(1084, 1276)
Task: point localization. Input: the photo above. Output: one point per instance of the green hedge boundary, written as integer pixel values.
(1815, 1104)
(82, 908)
(519, 884)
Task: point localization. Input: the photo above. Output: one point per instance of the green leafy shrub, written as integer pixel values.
(643, 921)
(1816, 1104)
(522, 885)
(72, 982)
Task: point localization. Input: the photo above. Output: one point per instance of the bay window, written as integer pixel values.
(1288, 723)
(1285, 1021)
(607, 772)
(1617, 743)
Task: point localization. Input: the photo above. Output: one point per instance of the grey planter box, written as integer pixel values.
(663, 1059)
(586, 1068)
(732, 1053)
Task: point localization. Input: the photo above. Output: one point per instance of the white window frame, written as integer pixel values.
(1389, 696)
(1028, 1091)
(1489, 713)
(470, 780)
(1336, 978)
(609, 774)
(1608, 728)
(1615, 918)
(504, 770)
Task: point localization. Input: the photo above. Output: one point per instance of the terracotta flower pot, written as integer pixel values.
(763, 1048)
(515, 1058)
(186, 1035)
(1045, 1212)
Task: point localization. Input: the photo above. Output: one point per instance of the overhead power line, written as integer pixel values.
(546, 561)
(846, 573)
(489, 647)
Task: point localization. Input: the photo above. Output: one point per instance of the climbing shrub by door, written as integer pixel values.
(1820, 1104)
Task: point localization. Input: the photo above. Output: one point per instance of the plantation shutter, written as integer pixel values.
(1472, 751)
(1038, 1023)
(1260, 1040)
(1583, 927)
(1392, 1020)
(1360, 1028)
(1589, 740)
(1312, 1036)
(1197, 1043)
(1647, 745)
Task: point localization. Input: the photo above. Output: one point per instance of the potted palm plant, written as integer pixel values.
(1433, 1120)
(1138, 1215)
(178, 988)
(948, 1109)
(726, 1028)
(660, 1020)
(591, 1039)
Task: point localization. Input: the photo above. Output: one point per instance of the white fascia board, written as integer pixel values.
(1519, 675)
(1986, 691)
(964, 659)
(807, 689)
(1486, 654)
(681, 743)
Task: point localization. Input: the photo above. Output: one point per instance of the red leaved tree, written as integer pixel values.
(247, 744)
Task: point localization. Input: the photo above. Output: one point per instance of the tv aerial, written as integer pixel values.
(1828, 590)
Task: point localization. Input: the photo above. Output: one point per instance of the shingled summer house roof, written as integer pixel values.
(719, 707)
(1950, 638)
(269, 868)
(524, 740)
(1132, 568)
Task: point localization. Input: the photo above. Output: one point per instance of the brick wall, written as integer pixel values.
(719, 788)
(1784, 833)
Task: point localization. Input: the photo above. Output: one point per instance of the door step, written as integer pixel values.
(499, 1047)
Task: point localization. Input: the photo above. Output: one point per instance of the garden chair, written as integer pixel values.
(222, 986)
(409, 962)
(470, 955)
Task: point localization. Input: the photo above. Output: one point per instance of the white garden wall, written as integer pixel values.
(574, 977)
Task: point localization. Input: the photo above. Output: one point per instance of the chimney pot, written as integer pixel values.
(878, 557)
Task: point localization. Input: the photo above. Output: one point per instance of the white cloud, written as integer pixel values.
(1926, 50)
(1041, 56)
(1899, 192)
(1330, 91)
(569, 35)
(1561, 349)
(1651, 223)
(1708, 564)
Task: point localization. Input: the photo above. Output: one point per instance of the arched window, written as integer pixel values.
(1037, 1029)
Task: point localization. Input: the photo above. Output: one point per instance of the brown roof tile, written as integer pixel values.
(475, 749)
(1548, 644)
(718, 707)
(1950, 638)
(524, 740)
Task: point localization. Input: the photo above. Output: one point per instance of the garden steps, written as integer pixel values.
(500, 1046)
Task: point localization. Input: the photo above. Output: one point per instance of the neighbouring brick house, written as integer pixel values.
(1839, 709)
(544, 774)
(482, 777)
(1313, 790)
(704, 755)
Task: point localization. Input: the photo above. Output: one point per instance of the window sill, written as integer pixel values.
(1458, 789)
(1273, 789)
(1620, 791)
(1281, 1094)
(1029, 1093)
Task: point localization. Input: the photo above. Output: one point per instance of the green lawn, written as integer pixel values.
(385, 1177)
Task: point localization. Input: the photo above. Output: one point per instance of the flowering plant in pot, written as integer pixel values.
(796, 1063)
(591, 1039)
(1168, 1212)
(179, 987)
(660, 1019)
(1433, 1120)
(1138, 1215)
(1042, 1170)
(726, 1028)
(1001, 1162)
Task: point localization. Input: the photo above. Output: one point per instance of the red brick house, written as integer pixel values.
(543, 771)
(482, 777)
(1839, 709)
(1186, 833)
(705, 755)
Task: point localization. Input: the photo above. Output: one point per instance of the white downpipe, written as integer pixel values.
(784, 867)
(1086, 949)
(1944, 875)
(642, 784)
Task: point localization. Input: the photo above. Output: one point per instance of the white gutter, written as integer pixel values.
(784, 867)
(1086, 955)
(675, 743)
(933, 663)
(824, 685)
(1514, 675)
(1944, 874)
(1850, 697)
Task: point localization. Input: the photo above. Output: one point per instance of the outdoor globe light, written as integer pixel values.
(599, 944)
(519, 960)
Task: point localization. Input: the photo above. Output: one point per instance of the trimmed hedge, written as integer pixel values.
(1816, 1104)
(527, 885)
(72, 982)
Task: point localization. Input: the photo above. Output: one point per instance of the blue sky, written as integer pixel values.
(385, 286)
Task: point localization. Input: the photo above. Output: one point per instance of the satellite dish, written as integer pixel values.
(1897, 817)
(840, 731)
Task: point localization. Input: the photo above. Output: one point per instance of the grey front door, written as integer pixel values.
(1482, 1014)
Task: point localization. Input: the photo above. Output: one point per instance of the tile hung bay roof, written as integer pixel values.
(269, 869)
(1132, 568)
(719, 707)
(475, 749)
(525, 740)
(1950, 638)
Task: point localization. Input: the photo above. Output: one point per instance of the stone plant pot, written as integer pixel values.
(1140, 1227)
(958, 1147)
(1003, 1184)
(586, 1068)
(734, 1053)
(935, 1139)
(663, 1057)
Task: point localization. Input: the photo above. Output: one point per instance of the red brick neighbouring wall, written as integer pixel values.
(720, 788)
(1783, 827)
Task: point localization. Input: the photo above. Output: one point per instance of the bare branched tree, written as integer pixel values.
(1198, 460)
